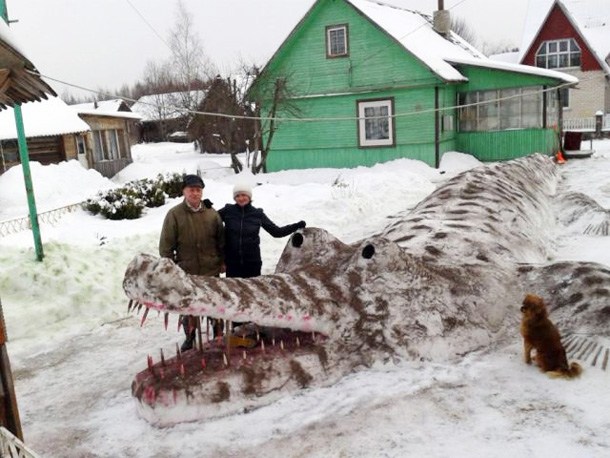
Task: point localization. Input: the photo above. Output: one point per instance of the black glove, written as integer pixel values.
(301, 225)
(207, 203)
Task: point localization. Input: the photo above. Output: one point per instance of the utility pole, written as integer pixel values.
(25, 163)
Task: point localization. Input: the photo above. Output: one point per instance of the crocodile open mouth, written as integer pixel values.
(248, 360)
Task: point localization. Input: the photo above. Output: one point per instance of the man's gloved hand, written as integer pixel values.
(301, 225)
(207, 203)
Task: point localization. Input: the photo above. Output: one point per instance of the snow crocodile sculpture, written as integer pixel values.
(442, 280)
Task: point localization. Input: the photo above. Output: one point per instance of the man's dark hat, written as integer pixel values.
(192, 180)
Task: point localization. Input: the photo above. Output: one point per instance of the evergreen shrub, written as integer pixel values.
(129, 201)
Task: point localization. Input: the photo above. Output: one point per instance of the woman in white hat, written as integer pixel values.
(243, 222)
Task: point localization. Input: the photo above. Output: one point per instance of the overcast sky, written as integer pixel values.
(106, 43)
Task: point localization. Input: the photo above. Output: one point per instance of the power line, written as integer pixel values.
(321, 119)
(149, 25)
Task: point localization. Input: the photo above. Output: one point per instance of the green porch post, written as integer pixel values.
(25, 163)
(27, 178)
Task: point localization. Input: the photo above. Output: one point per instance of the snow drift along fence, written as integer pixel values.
(12, 447)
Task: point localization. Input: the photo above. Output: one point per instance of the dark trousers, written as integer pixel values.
(244, 270)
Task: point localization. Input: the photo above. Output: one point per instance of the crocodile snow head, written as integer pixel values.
(436, 284)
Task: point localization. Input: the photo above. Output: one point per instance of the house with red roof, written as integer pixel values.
(572, 36)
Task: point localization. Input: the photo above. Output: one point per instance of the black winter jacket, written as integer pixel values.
(242, 227)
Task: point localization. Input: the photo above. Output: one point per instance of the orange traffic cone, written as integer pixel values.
(559, 157)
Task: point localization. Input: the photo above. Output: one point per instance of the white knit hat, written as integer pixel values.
(242, 188)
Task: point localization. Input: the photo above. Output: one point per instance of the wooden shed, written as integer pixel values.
(113, 132)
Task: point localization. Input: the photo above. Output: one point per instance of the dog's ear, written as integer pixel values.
(540, 308)
(530, 299)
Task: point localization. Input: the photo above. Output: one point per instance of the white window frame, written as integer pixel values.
(550, 53)
(486, 111)
(363, 139)
(330, 40)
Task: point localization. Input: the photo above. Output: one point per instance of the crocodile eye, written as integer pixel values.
(368, 251)
(297, 240)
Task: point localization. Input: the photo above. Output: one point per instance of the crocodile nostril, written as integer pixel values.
(368, 251)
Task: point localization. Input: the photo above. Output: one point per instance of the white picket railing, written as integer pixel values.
(585, 124)
(12, 447)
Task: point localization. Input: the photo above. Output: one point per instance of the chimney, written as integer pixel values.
(441, 19)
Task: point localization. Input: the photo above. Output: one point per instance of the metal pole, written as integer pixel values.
(27, 178)
(3, 11)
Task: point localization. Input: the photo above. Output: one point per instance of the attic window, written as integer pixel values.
(376, 122)
(558, 54)
(336, 41)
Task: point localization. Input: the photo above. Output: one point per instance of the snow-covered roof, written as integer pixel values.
(43, 118)
(415, 32)
(511, 57)
(169, 104)
(591, 18)
(112, 107)
(23, 83)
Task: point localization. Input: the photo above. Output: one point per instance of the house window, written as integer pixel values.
(447, 123)
(99, 148)
(336, 41)
(107, 145)
(376, 123)
(565, 97)
(80, 144)
(483, 111)
(558, 54)
(113, 144)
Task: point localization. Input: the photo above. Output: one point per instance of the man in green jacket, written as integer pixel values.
(193, 237)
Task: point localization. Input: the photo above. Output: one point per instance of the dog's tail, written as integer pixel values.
(573, 371)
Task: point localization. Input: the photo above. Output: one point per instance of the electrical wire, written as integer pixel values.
(149, 25)
(319, 119)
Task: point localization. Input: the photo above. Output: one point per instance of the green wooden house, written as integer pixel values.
(366, 83)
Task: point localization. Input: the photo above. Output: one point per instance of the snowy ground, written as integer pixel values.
(74, 350)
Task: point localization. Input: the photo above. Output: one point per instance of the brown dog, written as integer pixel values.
(541, 335)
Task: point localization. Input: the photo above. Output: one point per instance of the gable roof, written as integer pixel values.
(414, 31)
(41, 119)
(590, 18)
(116, 108)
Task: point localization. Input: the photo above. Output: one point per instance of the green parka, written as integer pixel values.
(193, 239)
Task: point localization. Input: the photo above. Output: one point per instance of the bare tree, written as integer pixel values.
(498, 48)
(269, 97)
(158, 80)
(461, 27)
(190, 66)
